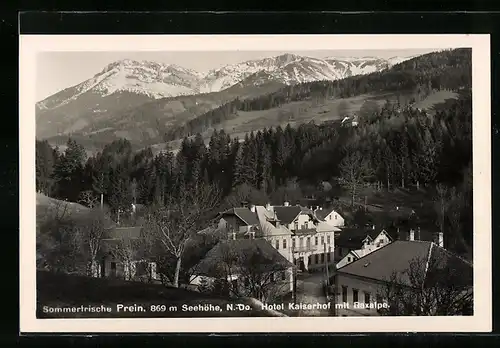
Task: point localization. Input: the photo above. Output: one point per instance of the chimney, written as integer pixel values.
(252, 208)
(286, 204)
(268, 206)
(440, 239)
(297, 203)
(244, 204)
(412, 234)
(373, 227)
(418, 233)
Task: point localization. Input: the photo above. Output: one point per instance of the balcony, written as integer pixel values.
(305, 248)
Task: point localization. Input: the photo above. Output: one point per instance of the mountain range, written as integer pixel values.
(172, 92)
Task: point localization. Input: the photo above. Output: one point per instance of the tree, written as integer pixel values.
(438, 286)
(57, 245)
(46, 158)
(68, 171)
(125, 250)
(354, 172)
(440, 203)
(174, 223)
(454, 213)
(260, 272)
(90, 231)
(425, 159)
(88, 199)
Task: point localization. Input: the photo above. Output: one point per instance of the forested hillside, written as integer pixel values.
(394, 146)
(417, 78)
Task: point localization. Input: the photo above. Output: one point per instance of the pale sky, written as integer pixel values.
(59, 70)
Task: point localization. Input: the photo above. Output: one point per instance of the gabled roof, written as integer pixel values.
(321, 214)
(287, 214)
(267, 228)
(244, 214)
(396, 257)
(255, 253)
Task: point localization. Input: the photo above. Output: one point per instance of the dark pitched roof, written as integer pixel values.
(287, 214)
(353, 237)
(396, 257)
(245, 214)
(323, 213)
(257, 253)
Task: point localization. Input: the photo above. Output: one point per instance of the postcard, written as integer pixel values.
(255, 183)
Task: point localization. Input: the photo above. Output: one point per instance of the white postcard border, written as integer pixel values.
(481, 321)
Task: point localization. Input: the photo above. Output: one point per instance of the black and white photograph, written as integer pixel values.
(328, 182)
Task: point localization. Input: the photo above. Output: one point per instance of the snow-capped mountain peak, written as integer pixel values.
(159, 80)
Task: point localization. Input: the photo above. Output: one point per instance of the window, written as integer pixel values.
(113, 269)
(296, 225)
(322, 258)
(355, 295)
(330, 217)
(301, 242)
(367, 298)
(316, 259)
(308, 242)
(348, 259)
(316, 240)
(335, 216)
(328, 257)
(283, 275)
(141, 269)
(344, 293)
(277, 244)
(328, 240)
(284, 243)
(322, 240)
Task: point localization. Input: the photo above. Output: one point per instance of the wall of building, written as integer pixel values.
(133, 271)
(233, 224)
(282, 243)
(341, 253)
(334, 219)
(363, 286)
(278, 285)
(347, 259)
(303, 221)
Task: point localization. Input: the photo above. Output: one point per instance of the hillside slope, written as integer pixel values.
(425, 82)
